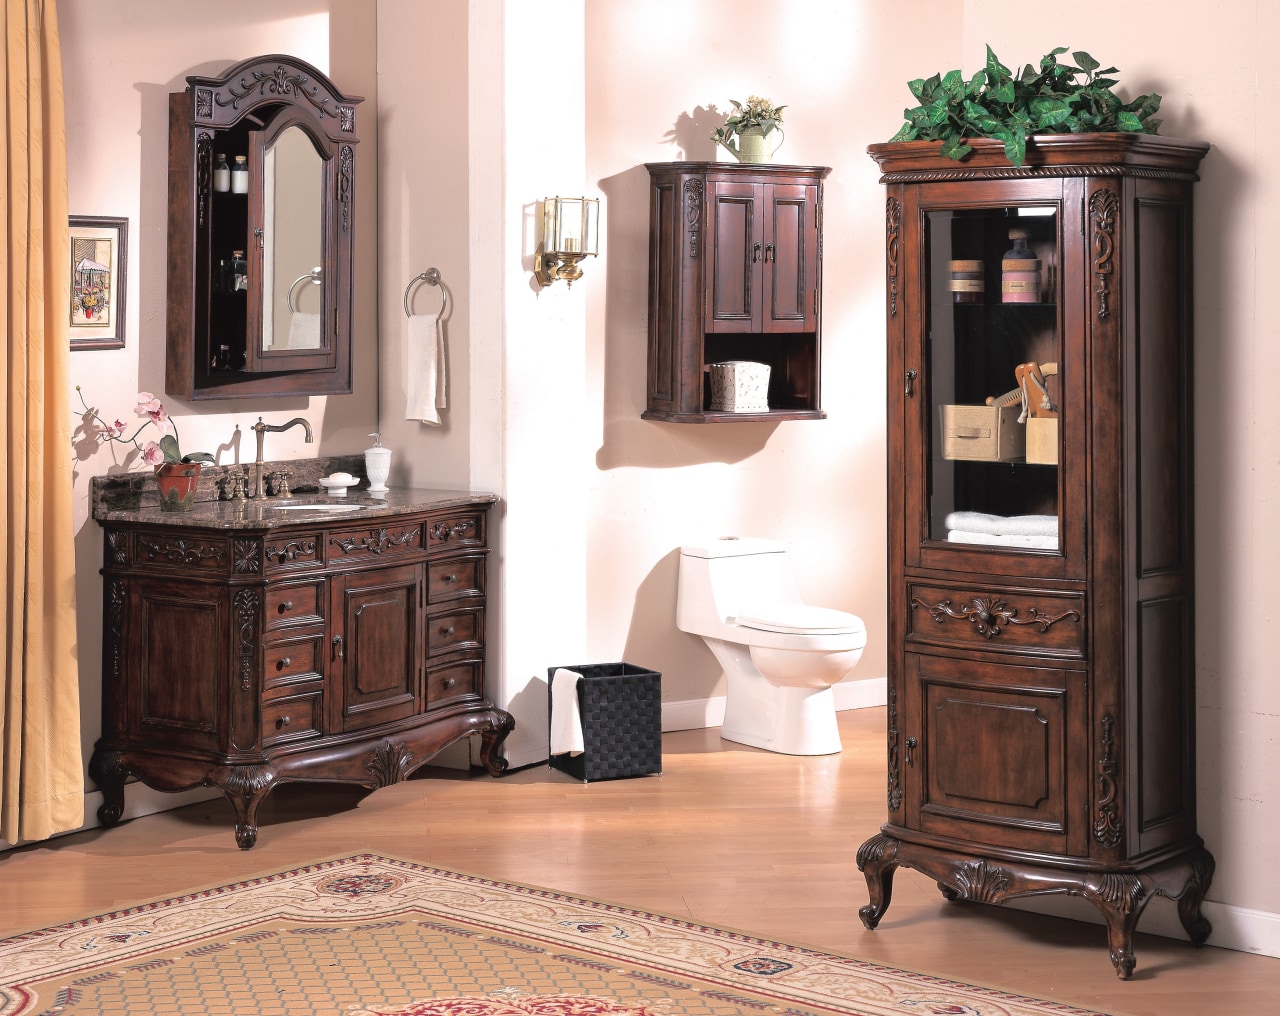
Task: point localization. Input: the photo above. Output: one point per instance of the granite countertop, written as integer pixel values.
(133, 498)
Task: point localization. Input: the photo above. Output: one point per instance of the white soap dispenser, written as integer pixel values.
(377, 465)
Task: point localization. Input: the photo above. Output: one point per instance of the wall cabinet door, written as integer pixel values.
(376, 647)
(763, 275)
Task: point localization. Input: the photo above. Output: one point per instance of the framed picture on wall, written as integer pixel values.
(99, 259)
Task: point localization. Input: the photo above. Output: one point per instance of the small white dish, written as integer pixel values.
(337, 484)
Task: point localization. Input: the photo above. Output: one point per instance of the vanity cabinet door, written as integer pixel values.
(375, 649)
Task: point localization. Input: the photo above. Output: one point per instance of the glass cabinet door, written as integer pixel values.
(993, 377)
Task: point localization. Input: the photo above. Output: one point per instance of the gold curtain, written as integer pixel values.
(41, 772)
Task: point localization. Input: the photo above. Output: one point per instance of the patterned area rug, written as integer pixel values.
(374, 936)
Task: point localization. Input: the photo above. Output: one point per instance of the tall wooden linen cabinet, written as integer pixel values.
(1041, 714)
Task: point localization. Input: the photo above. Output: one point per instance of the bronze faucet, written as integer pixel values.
(260, 428)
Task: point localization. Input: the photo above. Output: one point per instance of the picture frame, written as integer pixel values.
(99, 274)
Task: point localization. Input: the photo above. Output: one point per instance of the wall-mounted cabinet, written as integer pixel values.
(261, 232)
(735, 273)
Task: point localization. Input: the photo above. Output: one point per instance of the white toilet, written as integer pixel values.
(779, 655)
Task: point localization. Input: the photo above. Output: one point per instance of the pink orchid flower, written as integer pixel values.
(149, 405)
(152, 454)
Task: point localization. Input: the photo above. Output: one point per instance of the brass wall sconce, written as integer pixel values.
(570, 232)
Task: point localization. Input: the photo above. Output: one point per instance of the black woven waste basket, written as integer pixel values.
(621, 709)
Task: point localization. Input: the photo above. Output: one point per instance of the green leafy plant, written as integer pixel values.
(1059, 98)
(757, 112)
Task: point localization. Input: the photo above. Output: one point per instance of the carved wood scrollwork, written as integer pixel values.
(204, 172)
(1103, 208)
(873, 850)
(895, 784)
(292, 550)
(390, 763)
(346, 176)
(1124, 893)
(1107, 824)
(693, 215)
(376, 543)
(118, 546)
(183, 551)
(115, 631)
(988, 614)
(246, 608)
(893, 222)
(279, 82)
(248, 559)
(444, 531)
(975, 881)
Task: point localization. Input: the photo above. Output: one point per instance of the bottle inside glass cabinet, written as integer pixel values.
(994, 385)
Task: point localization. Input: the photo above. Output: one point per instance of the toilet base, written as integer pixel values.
(791, 721)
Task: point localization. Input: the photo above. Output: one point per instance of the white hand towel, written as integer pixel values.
(566, 719)
(304, 331)
(1003, 525)
(1010, 540)
(427, 370)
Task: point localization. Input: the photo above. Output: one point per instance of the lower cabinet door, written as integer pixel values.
(375, 648)
(992, 753)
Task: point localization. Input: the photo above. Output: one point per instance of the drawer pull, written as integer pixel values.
(446, 631)
(450, 578)
(286, 606)
(449, 682)
(911, 743)
(337, 648)
(283, 662)
(283, 722)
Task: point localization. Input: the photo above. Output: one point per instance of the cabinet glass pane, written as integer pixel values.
(994, 350)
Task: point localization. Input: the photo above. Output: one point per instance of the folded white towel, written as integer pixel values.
(566, 718)
(428, 372)
(1003, 525)
(1013, 540)
(304, 331)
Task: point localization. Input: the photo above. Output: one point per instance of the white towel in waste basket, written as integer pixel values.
(566, 719)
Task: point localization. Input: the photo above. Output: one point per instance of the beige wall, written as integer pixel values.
(598, 501)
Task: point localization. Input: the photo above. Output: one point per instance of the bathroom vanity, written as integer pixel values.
(251, 643)
(1041, 694)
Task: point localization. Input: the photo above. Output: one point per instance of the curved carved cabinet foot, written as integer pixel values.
(246, 787)
(1120, 897)
(108, 772)
(491, 741)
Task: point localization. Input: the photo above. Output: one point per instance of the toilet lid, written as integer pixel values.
(801, 619)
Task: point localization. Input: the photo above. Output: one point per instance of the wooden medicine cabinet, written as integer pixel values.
(261, 231)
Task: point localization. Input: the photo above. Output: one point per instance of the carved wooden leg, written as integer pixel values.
(107, 771)
(491, 742)
(877, 860)
(245, 787)
(1121, 900)
(1202, 866)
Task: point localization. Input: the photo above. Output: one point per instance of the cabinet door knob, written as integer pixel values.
(286, 605)
(337, 648)
(769, 252)
(911, 380)
(755, 253)
(911, 743)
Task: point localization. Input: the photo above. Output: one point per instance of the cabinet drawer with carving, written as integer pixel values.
(456, 630)
(375, 543)
(292, 719)
(289, 661)
(455, 578)
(455, 532)
(295, 605)
(188, 553)
(452, 681)
(285, 551)
(1013, 620)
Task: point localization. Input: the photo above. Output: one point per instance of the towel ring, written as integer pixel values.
(432, 277)
(312, 276)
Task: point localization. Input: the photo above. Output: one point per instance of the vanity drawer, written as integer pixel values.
(291, 550)
(455, 578)
(455, 532)
(458, 629)
(290, 606)
(1028, 621)
(289, 661)
(454, 680)
(396, 539)
(292, 719)
(191, 553)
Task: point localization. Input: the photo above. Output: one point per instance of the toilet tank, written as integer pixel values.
(719, 578)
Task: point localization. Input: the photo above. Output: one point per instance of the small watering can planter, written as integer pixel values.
(754, 145)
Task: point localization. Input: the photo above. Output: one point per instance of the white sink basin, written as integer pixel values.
(337, 507)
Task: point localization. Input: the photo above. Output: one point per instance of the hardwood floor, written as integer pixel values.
(728, 835)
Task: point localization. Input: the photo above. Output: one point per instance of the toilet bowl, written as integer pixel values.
(780, 655)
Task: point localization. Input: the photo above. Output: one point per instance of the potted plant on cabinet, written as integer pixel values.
(750, 126)
(1059, 98)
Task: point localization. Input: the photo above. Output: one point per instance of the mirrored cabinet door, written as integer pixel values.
(261, 233)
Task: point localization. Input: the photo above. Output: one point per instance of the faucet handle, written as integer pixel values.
(280, 482)
(239, 481)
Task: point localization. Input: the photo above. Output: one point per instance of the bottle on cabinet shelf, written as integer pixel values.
(235, 277)
(1020, 271)
(968, 281)
(221, 174)
(240, 175)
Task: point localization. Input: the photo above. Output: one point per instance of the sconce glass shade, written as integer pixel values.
(570, 232)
